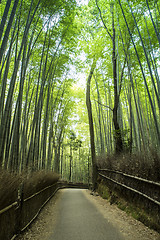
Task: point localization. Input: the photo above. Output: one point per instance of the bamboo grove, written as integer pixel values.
(116, 44)
(126, 79)
(34, 81)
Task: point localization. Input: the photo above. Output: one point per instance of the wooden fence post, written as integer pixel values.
(19, 209)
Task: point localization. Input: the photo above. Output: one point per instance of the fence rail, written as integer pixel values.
(16, 217)
(143, 187)
(8, 207)
(130, 176)
(131, 189)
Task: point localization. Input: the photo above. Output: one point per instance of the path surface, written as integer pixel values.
(75, 214)
(79, 219)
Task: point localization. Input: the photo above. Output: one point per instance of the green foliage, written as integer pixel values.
(62, 41)
(104, 191)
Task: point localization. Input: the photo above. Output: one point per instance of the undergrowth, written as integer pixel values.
(39, 180)
(135, 211)
(137, 164)
(9, 184)
(32, 183)
(144, 165)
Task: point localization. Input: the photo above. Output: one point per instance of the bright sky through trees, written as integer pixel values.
(82, 2)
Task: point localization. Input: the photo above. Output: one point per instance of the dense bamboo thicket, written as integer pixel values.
(124, 38)
(36, 40)
(47, 48)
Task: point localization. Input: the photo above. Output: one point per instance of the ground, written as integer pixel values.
(130, 228)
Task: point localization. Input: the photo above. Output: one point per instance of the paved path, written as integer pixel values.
(79, 219)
